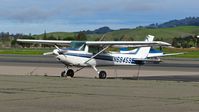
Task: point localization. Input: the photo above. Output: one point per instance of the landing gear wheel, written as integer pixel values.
(63, 74)
(102, 75)
(70, 73)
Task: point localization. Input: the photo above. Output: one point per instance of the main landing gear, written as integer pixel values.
(102, 74)
(68, 72)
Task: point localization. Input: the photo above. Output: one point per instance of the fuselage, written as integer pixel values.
(78, 58)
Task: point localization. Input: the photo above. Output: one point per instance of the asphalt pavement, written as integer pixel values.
(32, 84)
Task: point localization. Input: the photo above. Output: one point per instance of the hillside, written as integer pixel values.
(101, 30)
(56, 35)
(189, 21)
(165, 31)
(166, 34)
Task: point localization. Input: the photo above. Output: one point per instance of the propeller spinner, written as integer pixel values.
(56, 51)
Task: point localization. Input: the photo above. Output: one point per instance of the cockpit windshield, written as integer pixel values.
(78, 45)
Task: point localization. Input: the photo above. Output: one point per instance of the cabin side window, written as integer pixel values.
(95, 49)
(77, 45)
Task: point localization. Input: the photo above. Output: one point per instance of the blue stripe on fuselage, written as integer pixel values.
(105, 57)
(101, 57)
(155, 51)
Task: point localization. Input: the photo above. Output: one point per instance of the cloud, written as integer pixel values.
(24, 11)
(90, 7)
(91, 13)
(34, 11)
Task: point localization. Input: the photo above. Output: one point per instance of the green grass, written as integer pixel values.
(190, 53)
(24, 51)
(167, 34)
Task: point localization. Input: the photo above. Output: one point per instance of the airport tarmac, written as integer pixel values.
(32, 84)
(55, 94)
(48, 66)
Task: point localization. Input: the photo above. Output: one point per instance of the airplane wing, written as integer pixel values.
(98, 43)
(127, 43)
(59, 42)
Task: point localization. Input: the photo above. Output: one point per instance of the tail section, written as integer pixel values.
(149, 38)
(143, 52)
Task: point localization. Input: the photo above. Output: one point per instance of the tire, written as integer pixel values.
(70, 73)
(63, 74)
(102, 75)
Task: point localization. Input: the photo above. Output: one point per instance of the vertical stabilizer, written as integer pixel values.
(149, 38)
(143, 52)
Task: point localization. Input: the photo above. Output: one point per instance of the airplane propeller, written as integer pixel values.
(48, 53)
(56, 51)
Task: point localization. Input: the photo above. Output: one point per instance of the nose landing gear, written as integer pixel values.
(68, 72)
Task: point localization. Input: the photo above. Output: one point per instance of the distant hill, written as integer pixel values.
(56, 35)
(165, 34)
(101, 30)
(165, 31)
(189, 21)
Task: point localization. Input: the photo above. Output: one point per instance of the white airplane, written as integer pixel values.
(93, 53)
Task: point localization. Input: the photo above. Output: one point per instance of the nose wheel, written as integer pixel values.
(69, 72)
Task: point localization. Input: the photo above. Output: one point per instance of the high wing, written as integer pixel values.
(53, 42)
(98, 43)
(127, 43)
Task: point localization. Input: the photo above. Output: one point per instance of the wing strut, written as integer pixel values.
(102, 38)
(97, 54)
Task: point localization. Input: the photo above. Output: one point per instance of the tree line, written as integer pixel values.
(9, 40)
(186, 42)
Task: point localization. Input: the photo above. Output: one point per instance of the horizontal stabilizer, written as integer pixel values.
(172, 54)
(157, 53)
(148, 60)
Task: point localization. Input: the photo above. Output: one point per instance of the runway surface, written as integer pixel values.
(32, 84)
(170, 68)
(55, 94)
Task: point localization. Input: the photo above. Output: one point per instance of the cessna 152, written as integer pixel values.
(93, 53)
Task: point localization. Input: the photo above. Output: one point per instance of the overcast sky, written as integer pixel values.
(35, 16)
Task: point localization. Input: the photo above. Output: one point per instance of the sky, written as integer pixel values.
(36, 16)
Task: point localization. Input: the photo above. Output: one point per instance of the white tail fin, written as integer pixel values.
(143, 52)
(149, 38)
